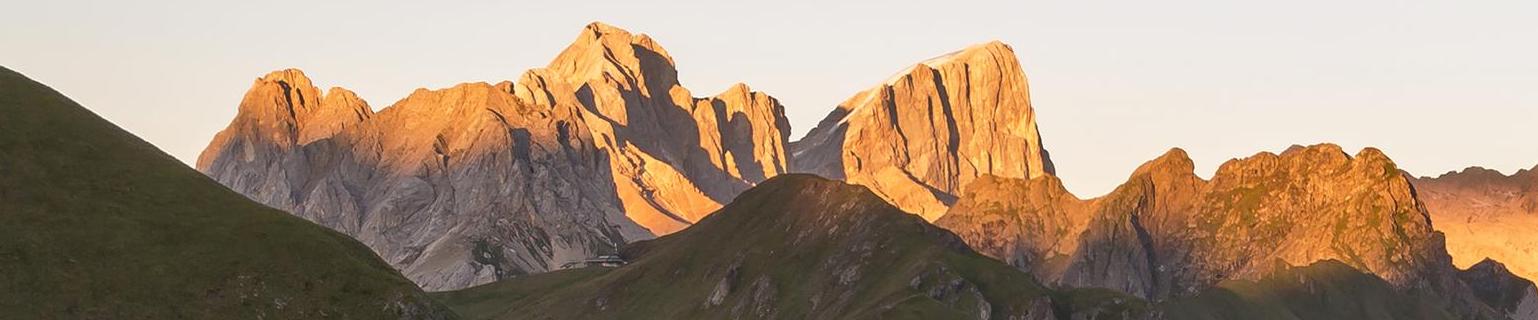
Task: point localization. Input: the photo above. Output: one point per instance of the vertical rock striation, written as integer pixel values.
(466, 185)
(922, 135)
(675, 157)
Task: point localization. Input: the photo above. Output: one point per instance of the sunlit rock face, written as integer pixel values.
(454, 187)
(1486, 214)
(675, 157)
(920, 137)
(466, 185)
(1167, 232)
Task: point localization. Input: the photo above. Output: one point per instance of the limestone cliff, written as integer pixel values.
(1167, 232)
(466, 185)
(454, 187)
(922, 135)
(674, 157)
(1486, 214)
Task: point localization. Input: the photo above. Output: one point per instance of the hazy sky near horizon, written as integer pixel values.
(1437, 84)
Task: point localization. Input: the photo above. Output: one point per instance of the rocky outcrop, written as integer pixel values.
(1167, 232)
(1502, 290)
(920, 137)
(466, 185)
(674, 157)
(1486, 214)
(454, 187)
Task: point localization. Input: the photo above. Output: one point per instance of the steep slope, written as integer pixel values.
(1167, 232)
(1486, 214)
(479, 182)
(454, 187)
(922, 135)
(1323, 290)
(98, 224)
(794, 247)
(1502, 290)
(674, 157)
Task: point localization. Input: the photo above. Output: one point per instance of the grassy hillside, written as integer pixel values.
(1324, 290)
(794, 247)
(98, 224)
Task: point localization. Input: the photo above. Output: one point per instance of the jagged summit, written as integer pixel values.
(1502, 290)
(1168, 233)
(1486, 213)
(1175, 161)
(677, 157)
(477, 182)
(919, 137)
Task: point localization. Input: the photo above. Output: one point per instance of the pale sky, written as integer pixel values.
(1437, 84)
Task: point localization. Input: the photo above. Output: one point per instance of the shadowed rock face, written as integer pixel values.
(454, 187)
(794, 247)
(921, 136)
(1326, 289)
(675, 158)
(1167, 232)
(1502, 290)
(1486, 214)
(466, 185)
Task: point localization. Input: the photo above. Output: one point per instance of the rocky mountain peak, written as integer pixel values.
(918, 138)
(676, 157)
(477, 182)
(1502, 290)
(1485, 213)
(1167, 233)
(604, 52)
(284, 110)
(1172, 162)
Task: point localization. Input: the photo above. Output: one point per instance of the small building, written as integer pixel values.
(607, 261)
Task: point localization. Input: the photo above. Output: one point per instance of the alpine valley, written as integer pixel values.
(599, 187)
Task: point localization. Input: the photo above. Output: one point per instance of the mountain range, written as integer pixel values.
(599, 187)
(1486, 214)
(479, 182)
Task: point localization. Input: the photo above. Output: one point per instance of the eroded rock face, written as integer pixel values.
(1502, 290)
(1486, 214)
(921, 136)
(454, 187)
(1167, 232)
(675, 157)
(466, 185)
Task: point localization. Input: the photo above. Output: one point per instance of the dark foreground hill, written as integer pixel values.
(98, 224)
(1324, 290)
(794, 247)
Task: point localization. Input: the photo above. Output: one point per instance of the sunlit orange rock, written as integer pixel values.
(920, 137)
(1486, 214)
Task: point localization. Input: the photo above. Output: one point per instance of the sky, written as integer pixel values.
(1439, 85)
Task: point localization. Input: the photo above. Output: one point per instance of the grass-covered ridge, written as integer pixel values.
(1324, 290)
(794, 247)
(98, 224)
